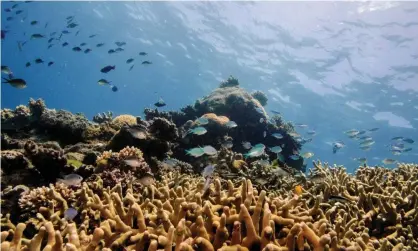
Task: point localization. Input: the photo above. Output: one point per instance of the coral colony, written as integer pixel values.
(217, 175)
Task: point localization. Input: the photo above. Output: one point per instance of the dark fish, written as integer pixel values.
(82, 44)
(53, 33)
(397, 138)
(131, 67)
(143, 53)
(111, 51)
(87, 51)
(49, 46)
(51, 39)
(46, 25)
(407, 140)
(65, 32)
(114, 89)
(7, 10)
(91, 36)
(28, 1)
(6, 70)
(76, 48)
(3, 34)
(108, 68)
(119, 49)
(120, 44)
(130, 60)
(275, 112)
(50, 63)
(15, 5)
(34, 22)
(15, 82)
(406, 149)
(338, 198)
(39, 61)
(103, 82)
(160, 103)
(72, 25)
(146, 62)
(70, 17)
(27, 64)
(77, 33)
(374, 129)
(36, 35)
(9, 18)
(19, 45)
(18, 12)
(100, 45)
(64, 44)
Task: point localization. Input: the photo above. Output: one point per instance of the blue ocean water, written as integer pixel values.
(333, 66)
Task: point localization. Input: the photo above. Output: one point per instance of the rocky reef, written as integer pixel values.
(131, 184)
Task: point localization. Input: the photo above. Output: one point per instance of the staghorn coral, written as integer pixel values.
(260, 97)
(174, 213)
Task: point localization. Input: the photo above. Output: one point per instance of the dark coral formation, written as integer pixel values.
(261, 97)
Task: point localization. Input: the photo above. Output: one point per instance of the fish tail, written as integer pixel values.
(5, 79)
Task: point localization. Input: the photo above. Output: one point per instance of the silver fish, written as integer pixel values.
(70, 213)
(71, 180)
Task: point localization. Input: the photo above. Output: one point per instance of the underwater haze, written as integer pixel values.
(329, 67)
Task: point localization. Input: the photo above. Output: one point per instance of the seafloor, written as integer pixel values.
(247, 206)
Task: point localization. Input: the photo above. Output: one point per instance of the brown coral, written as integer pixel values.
(124, 119)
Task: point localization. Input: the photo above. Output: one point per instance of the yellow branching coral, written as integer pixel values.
(130, 152)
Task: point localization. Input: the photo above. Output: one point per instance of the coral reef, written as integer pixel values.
(178, 213)
(103, 117)
(260, 97)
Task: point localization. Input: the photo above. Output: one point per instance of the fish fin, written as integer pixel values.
(7, 81)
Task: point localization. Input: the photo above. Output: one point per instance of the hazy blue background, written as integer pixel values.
(333, 66)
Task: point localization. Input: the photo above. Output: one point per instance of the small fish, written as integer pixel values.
(277, 135)
(138, 133)
(263, 162)
(36, 36)
(53, 33)
(231, 124)
(208, 171)
(133, 162)
(398, 138)
(27, 64)
(298, 190)
(82, 44)
(46, 25)
(49, 46)
(15, 82)
(407, 140)
(228, 144)
(34, 22)
(108, 68)
(361, 160)
(367, 143)
(99, 45)
(338, 198)
(254, 152)
(280, 171)
(130, 60)
(294, 157)
(264, 134)
(336, 146)
(15, 5)
(70, 214)
(406, 149)
(195, 152)
(294, 134)
(72, 25)
(280, 157)
(143, 53)
(70, 17)
(3, 34)
(39, 61)
(120, 44)
(275, 112)
(307, 155)
(50, 40)
(301, 125)
(147, 180)
(170, 162)
(77, 33)
(50, 63)
(365, 148)
(92, 36)
(373, 129)
(206, 186)
(396, 152)
(119, 49)
(365, 138)
(77, 49)
(130, 68)
(311, 132)
(202, 121)
(198, 130)
(114, 88)
(64, 44)
(6, 70)
(209, 150)
(276, 149)
(18, 12)
(65, 32)
(7, 10)
(146, 62)
(111, 51)
(388, 161)
(246, 145)
(103, 82)
(160, 103)
(71, 180)
(87, 51)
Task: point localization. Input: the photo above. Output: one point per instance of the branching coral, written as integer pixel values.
(229, 82)
(260, 97)
(124, 119)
